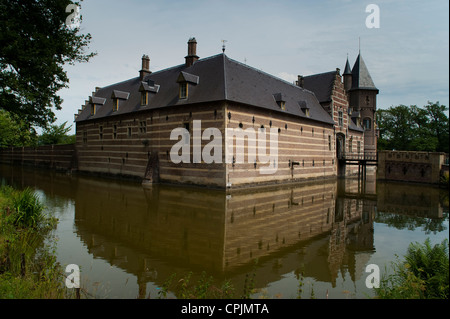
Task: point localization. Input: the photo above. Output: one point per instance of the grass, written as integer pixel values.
(28, 267)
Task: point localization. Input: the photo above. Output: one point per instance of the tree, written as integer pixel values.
(14, 132)
(35, 44)
(439, 125)
(395, 127)
(56, 134)
(413, 128)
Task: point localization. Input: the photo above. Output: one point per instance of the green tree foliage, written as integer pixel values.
(414, 129)
(56, 134)
(14, 131)
(35, 44)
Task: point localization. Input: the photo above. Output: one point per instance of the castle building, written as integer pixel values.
(217, 122)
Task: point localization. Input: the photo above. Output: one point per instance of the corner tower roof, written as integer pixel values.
(361, 78)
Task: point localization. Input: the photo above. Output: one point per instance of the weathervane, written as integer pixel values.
(223, 45)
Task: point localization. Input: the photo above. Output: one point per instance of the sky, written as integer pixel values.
(407, 54)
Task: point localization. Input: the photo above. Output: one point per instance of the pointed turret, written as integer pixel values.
(363, 99)
(347, 76)
(361, 78)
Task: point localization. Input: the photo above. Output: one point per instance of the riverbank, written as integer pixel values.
(28, 267)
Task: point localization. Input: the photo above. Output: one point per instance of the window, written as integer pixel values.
(183, 90)
(114, 131)
(144, 98)
(350, 145)
(100, 129)
(84, 137)
(358, 147)
(367, 124)
(93, 109)
(143, 127)
(341, 118)
(282, 105)
(115, 105)
(329, 142)
(129, 131)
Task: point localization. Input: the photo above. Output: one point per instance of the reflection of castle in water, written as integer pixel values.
(305, 229)
(319, 229)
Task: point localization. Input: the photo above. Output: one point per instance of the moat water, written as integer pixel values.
(129, 240)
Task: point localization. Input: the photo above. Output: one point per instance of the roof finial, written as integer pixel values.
(223, 45)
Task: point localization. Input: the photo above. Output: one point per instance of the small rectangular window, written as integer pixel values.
(129, 131)
(115, 105)
(100, 129)
(85, 137)
(143, 127)
(93, 109)
(114, 131)
(341, 119)
(144, 98)
(183, 90)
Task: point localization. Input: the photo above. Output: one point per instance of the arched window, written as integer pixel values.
(367, 124)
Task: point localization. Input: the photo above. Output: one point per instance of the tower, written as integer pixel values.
(363, 98)
(347, 76)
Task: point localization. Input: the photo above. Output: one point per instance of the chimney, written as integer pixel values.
(145, 70)
(300, 81)
(192, 57)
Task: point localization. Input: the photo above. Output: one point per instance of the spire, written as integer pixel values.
(347, 76)
(361, 78)
(347, 69)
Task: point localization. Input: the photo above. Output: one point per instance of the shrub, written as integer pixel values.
(423, 274)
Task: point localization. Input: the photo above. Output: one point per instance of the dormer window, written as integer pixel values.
(281, 100)
(185, 80)
(144, 98)
(117, 97)
(305, 108)
(183, 93)
(95, 102)
(115, 105)
(146, 88)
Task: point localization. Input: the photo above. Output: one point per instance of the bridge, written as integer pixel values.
(361, 159)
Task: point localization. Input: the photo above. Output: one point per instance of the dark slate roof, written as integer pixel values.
(321, 84)
(361, 78)
(219, 78)
(347, 69)
(353, 126)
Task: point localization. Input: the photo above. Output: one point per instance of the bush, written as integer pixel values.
(424, 274)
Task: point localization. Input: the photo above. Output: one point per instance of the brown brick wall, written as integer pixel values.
(60, 157)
